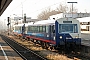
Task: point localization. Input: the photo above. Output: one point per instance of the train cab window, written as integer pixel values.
(75, 29)
(68, 28)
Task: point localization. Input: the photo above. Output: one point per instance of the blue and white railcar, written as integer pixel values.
(58, 32)
(41, 31)
(17, 29)
(21, 29)
(67, 31)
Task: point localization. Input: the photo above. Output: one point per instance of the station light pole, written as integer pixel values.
(72, 7)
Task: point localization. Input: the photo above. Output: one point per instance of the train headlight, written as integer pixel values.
(47, 35)
(54, 37)
(76, 37)
(60, 37)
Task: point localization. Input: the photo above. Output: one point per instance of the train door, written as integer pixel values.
(53, 32)
(47, 32)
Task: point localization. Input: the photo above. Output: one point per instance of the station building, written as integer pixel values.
(74, 15)
(85, 24)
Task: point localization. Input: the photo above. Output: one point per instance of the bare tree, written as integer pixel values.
(60, 9)
(74, 10)
(46, 13)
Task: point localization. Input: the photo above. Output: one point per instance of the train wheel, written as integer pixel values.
(42, 44)
(51, 47)
(39, 42)
(26, 38)
(30, 39)
(78, 48)
(56, 47)
(47, 45)
(36, 41)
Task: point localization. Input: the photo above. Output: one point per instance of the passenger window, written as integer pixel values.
(40, 29)
(46, 29)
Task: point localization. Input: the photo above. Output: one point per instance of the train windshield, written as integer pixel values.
(68, 28)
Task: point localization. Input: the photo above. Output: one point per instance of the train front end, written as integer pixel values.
(68, 32)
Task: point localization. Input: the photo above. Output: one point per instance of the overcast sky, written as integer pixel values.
(33, 7)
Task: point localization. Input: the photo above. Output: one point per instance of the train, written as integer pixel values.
(51, 33)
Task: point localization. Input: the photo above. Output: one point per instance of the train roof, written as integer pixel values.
(47, 22)
(84, 19)
(44, 22)
(26, 24)
(19, 25)
(67, 21)
(30, 23)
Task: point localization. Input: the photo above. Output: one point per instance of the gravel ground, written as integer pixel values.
(46, 53)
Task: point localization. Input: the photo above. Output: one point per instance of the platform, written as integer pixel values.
(85, 39)
(7, 53)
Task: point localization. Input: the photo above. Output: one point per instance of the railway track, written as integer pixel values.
(25, 53)
(81, 55)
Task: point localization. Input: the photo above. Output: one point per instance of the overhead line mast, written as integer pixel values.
(72, 7)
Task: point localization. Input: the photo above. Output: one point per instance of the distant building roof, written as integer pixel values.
(74, 15)
(32, 20)
(84, 19)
